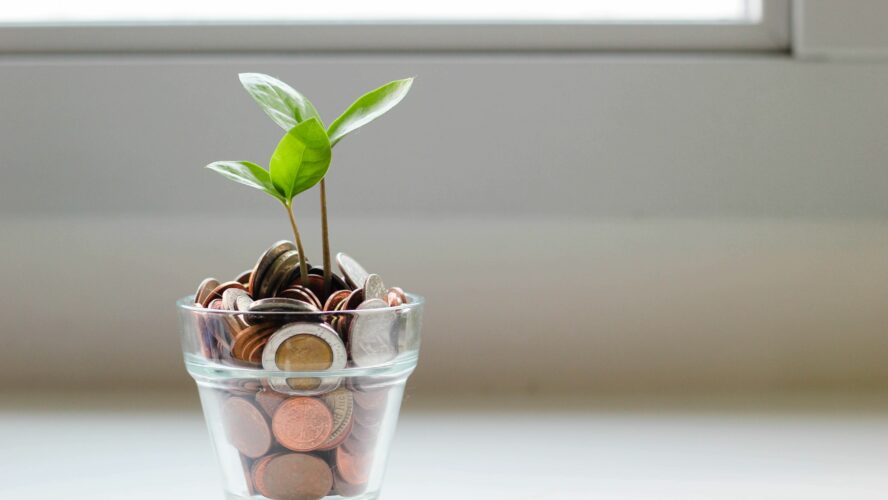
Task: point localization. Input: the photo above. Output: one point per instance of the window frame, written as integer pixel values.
(770, 34)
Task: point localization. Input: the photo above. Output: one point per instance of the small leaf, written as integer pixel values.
(301, 158)
(281, 102)
(369, 107)
(246, 173)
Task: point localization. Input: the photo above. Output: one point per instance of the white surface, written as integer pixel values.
(509, 450)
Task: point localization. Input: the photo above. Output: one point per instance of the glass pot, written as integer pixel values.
(322, 431)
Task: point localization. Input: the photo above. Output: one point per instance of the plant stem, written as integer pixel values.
(303, 266)
(325, 236)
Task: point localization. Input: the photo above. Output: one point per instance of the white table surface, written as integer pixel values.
(77, 447)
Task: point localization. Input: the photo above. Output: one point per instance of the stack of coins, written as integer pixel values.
(310, 436)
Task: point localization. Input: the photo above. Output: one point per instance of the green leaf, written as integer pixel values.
(369, 107)
(246, 173)
(301, 158)
(281, 102)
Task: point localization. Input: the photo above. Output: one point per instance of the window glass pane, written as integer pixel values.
(56, 11)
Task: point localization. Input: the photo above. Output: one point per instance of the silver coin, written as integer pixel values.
(279, 274)
(320, 330)
(231, 296)
(264, 263)
(374, 287)
(203, 290)
(281, 304)
(242, 303)
(341, 405)
(371, 334)
(355, 274)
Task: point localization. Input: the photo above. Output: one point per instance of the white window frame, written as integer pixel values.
(770, 34)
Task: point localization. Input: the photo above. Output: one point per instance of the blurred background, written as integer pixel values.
(617, 210)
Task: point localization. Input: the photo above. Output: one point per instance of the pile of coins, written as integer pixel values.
(307, 339)
(310, 436)
(298, 447)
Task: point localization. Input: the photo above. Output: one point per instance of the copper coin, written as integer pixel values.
(293, 476)
(269, 400)
(302, 423)
(203, 290)
(216, 304)
(255, 353)
(245, 427)
(299, 292)
(335, 298)
(354, 300)
(336, 283)
(354, 273)
(257, 471)
(346, 489)
(247, 339)
(244, 277)
(316, 285)
(353, 468)
(264, 262)
(217, 292)
(357, 446)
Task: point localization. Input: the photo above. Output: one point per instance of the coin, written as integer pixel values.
(341, 404)
(265, 261)
(354, 273)
(269, 400)
(299, 292)
(245, 427)
(316, 285)
(244, 277)
(357, 446)
(293, 476)
(248, 338)
(203, 290)
(354, 300)
(353, 468)
(370, 335)
(335, 298)
(302, 423)
(372, 399)
(280, 274)
(324, 350)
(336, 283)
(257, 471)
(231, 296)
(346, 489)
(217, 292)
(395, 297)
(281, 304)
(373, 287)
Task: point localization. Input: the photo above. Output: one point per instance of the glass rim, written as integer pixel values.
(187, 303)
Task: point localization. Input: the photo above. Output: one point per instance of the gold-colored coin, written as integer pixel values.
(303, 353)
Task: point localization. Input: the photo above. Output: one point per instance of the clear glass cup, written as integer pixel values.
(307, 434)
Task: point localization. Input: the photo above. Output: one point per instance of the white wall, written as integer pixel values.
(576, 221)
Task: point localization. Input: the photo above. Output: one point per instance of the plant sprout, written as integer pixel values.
(303, 155)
